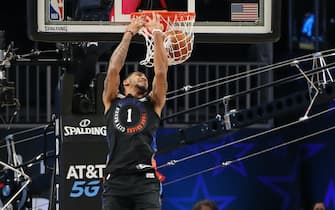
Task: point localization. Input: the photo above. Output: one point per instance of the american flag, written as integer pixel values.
(244, 12)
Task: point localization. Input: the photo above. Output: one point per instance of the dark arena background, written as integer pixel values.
(248, 122)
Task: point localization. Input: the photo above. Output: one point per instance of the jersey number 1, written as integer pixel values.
(129, 115)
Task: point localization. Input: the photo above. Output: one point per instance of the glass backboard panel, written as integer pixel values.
(105, 20)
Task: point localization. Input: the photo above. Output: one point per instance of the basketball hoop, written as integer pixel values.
(179, 35)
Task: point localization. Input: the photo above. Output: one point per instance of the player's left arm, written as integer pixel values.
(159, 84)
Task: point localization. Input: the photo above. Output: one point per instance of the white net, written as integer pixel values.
(179, 37)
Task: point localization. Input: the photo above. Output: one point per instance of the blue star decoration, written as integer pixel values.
(330, 195)
(199, 192)
(309, 150)
(242, 148)
(238, 166)
(274, 182)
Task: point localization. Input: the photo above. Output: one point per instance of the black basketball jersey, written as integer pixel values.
(131, 128)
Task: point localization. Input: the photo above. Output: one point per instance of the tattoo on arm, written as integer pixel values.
(119, 55)
(116, 63)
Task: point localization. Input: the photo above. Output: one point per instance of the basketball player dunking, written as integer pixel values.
(131, 181)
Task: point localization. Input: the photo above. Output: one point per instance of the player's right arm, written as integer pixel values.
(116, 63)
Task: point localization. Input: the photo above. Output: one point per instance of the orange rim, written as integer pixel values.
(171, 15)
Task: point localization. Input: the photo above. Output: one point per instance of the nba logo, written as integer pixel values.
(56, 10)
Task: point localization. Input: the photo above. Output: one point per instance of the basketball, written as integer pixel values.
(180, 45)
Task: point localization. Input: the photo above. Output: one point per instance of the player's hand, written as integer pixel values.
(136, 24)
(154, 23)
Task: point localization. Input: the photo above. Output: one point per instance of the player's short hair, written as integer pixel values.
(122, 90)
(207, 203)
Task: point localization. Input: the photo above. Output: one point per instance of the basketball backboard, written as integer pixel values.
(238, 21)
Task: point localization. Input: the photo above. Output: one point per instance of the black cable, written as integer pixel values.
(15, 112)
(255, 154)
(27, 131)
(43, 156)
(257, 70)
(52, 195)
(45, 142)
(25, 139)
(271, 84)
(241, 140)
